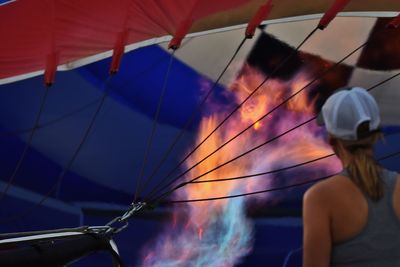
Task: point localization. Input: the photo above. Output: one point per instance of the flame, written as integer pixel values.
(200, 233)
(218, 233)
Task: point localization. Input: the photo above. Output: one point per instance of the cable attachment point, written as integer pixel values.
(262, 14)
(118, 51)
(331, 13)
(181, 32)
(51, 68)
(133, 208)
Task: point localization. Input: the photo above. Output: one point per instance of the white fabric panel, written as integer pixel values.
(343, 35)
(387, 95)
(209, 54)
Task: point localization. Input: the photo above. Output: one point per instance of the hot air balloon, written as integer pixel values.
(107, 103)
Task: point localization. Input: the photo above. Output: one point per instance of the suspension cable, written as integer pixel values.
(155, 189)
(275, 170)
(235, 158)
(85, 106)
(254, 148)
(154, 126)
(193, 115)
(299, 164)
(267, 190)
(27, 144)
(263, 173)
(384, 81)
(53, 121)
(57, 184)
(264, 116)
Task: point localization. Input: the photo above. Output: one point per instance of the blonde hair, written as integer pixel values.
(364, 171)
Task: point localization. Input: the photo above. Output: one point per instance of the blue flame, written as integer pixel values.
(226, 240)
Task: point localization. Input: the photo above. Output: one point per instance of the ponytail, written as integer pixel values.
(364, 171)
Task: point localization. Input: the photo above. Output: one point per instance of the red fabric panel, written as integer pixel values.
(331, 13)
(203, 8)
(25, 37)
(31, 30)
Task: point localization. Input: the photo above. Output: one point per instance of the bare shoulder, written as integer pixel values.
(323, 190)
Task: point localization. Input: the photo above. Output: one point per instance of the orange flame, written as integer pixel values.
(300, 145)
(303, 144)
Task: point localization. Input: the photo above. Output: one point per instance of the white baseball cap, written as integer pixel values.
(346, 109)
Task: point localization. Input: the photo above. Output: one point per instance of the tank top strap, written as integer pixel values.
(389, 179)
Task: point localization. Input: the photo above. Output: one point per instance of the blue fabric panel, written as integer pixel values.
(140, 80)
(35, 219)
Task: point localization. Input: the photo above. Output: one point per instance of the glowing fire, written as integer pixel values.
(218, 233)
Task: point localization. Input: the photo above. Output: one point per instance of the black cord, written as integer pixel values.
(266, 190)
(300, 164)
(274, 171)
(233, 159)
(87, 105)
(193, 115)
(265, 115)
(266, 142)
(156, 189)
(62, 174)
(85, 135)
(263, 173)
(248, 194)
(384, 81)
(53, 121)
(154, 127)
(27, 145)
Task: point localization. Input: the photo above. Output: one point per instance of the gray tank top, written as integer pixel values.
(378, 244)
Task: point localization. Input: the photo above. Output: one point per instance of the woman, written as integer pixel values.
(353, 219)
